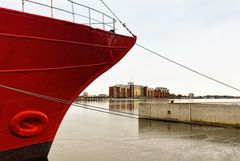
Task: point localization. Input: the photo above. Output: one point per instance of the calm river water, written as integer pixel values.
(87, 135)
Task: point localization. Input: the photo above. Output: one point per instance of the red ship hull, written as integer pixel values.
(49, 57)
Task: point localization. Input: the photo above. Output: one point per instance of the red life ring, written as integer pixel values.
(28, 123)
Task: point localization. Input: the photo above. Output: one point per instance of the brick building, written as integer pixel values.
(161, 92)
(137, 91)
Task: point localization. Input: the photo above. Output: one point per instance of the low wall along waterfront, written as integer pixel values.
(211, 114)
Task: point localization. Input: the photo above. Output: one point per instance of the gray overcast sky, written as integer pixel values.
(201, 34)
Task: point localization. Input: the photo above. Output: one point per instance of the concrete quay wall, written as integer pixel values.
(212, 114)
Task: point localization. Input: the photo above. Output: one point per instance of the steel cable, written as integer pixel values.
(189, 69)
(84, 106)
(168, 59)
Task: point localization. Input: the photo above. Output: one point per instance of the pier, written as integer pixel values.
(195, 113)
(91, 98)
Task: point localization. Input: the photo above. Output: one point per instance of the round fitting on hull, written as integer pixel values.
(28, 123)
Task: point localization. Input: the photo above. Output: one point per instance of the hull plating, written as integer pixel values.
(49, 57)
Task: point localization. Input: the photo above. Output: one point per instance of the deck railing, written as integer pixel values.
(105, 21)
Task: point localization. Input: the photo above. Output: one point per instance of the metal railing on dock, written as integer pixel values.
(105, 21)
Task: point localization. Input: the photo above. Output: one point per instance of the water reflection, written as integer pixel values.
(130, 105)
(223, 135)
(93, 136)
(123, 105)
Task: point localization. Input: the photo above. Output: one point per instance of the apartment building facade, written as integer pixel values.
(137, 91)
